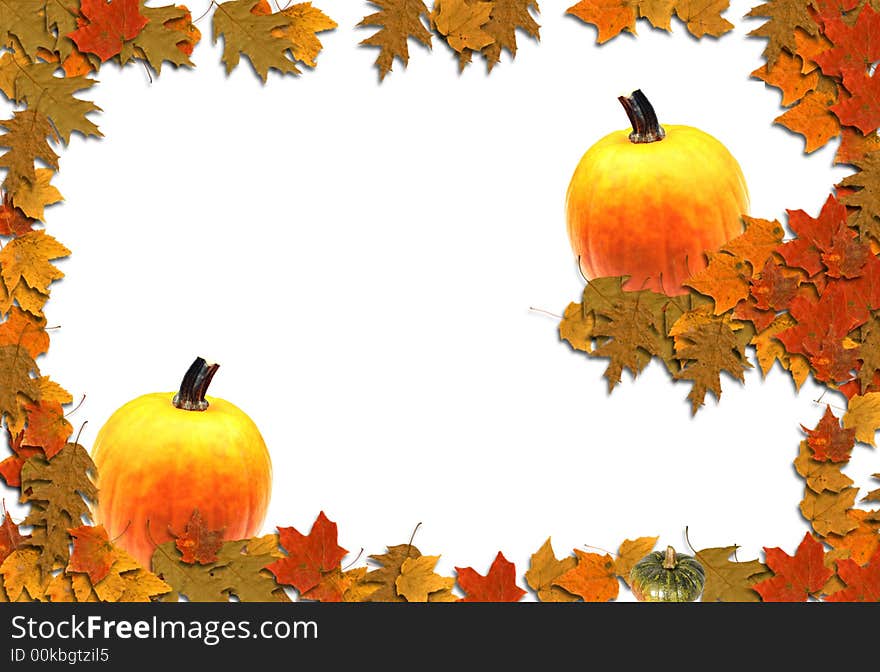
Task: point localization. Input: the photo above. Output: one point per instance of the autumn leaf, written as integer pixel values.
(593, 578)
(862, 583)
(10, 468)
(828, 441)
(796, 578)
(611, 17)
(576, 327)
(862, 541)
(385, 577)
(308, 556)
(784, 18)
(703, 17)
(11, 538)
(820, 476)
(27, 135)
(169, 36)
(197, 543)
(108, 25)
(827, 511)
(126, 581)
(498, 585)
(856, 45)
(629, 553)
(757, 242)
(768, 350)
(787, 76)
(862, 108)
(18, 385)
(26, 260)
(461, 23)
(302, 31)
(544, 569)
(506, 17)
(23, 578)
(13, 221)
(245, 32)
(93, 554)
(32, 198)
(417, 579)
(725, 279)
(864, 196)
(46, 427)
(729, 580)
(863, 416)
(398, 20)
(24, 19)
(26, 331)
(813, 117)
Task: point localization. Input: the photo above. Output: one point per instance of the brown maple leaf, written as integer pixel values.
(462, 23)
(863, 415)
(729, 580)
(784, 19)
(864, 195)
(399, 20)
(505, 19)
(498, 585)
(385, 577)
(27, 138)
(18, 385)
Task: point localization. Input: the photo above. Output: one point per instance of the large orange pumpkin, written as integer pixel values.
(649, 203)
(163, 455)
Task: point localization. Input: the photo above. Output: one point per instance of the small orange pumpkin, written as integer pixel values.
(163, 455)
(651, 202)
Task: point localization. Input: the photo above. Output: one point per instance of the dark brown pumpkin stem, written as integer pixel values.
(641, 115)
(194, 386)
(669, 561)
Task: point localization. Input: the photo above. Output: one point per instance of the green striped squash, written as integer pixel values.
(667, 577)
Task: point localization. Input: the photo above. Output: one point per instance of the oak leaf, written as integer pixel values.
(820, 476)
(25, 20)
(827, 511)
(611, 17)
(252, 34)
(813, 117)
(27, 135)
(198, 544)
(863, 416)
(92, 554)
(498, 585)
(784, 18)
(729, 580)
(593, 578)
(108, 25)
(461, 23)
(796, 578)
(508, 16)
(169, 36)
(302, 32)
(385, 577)
(787, 76)
(399, 20)
(703, 17)
(864, 195)
(544, 569)
(308, 556)
(629, 553)
(18, 385)
(418, 580)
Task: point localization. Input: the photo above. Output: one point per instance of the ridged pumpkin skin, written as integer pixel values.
(651, 210)
(652, 582)
(157, 462)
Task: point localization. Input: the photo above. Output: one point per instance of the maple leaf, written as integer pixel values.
(865, 195)
(544, 569)
(499, 584)
(813, 116)
(46, 427)
(774, 287)
(703, 17)
(93, 554)
(168, 36)
(59, 491)
(461, 23)
(26, 331)
(33, 197)
(725, 279)
(796, 577)
(418, 580)
(24, 19)
(11, 538)
(17, 385)
(108, 25)
(358, 590)
(308, 556)
(508, 16)
(246, 32)
(707, 344)
(197, 543)
(856, 45)
(386, 576)
(827, 511)
(769, 349)
(10, 468)
(828, 441)
(869, 353)
(784, 18)
(302, 32)
(13, 221)
(657, 12)
(757, 242)
(787, 75)
(593, 578)
(862, 541)
(126, 581)
(862, 583)
(629, 553)
(27, 135)
(23, 579)
(611, 17)
(863, 416)
(854, 146)
(576, 327)
(38, 87)
(862, 108)
(399, 20)
(808, 47)
(820, 476)
(728, 580)
(26, 259)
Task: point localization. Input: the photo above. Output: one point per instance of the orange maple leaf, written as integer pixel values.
(796, 577)
(828, 440)
(611, 17)
(499, 584)
(11, 538)
(309, 557)
(593, 578)
(25, 330)
(10, 468)
(46, 427)
(198, 544)
(862, 583)
(812, 118)
(93, 554)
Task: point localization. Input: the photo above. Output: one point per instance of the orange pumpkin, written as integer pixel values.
(649, 203)
(163, 455)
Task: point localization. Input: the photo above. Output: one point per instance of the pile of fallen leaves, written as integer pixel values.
(809, 302)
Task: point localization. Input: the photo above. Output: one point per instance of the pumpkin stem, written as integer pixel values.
(669, 561)
(191, 396)
(641, 115)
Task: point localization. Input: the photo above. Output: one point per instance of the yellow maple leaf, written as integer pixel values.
(544, 569)
(398, 20)
(32, 198)
(827, 511)
(657, 12)
(769, 349)
(863, 414)
(302, 32)
(725, 279)
(703, 17)
(417, 580)
(630, 552)
(26, 259)
(461, 23)
(22, 577)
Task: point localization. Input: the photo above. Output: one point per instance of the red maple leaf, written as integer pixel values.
(747, 309)
(13, 222)
(309, 557)
(10, 468)
(796, 577)
(10, 537)
(46, 427)
(861, 295)
(93, 554)
(814, 236)
(109, 25)
(833, 362)
(847, 256)
(862, 108)
(828, 440)
(499, 584)
(198, 544)
(862, 583)
(856, 45)
(773, 289)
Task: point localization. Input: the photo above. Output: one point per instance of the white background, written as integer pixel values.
(361, 258)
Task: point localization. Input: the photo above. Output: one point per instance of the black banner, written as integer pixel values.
(173, 636)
